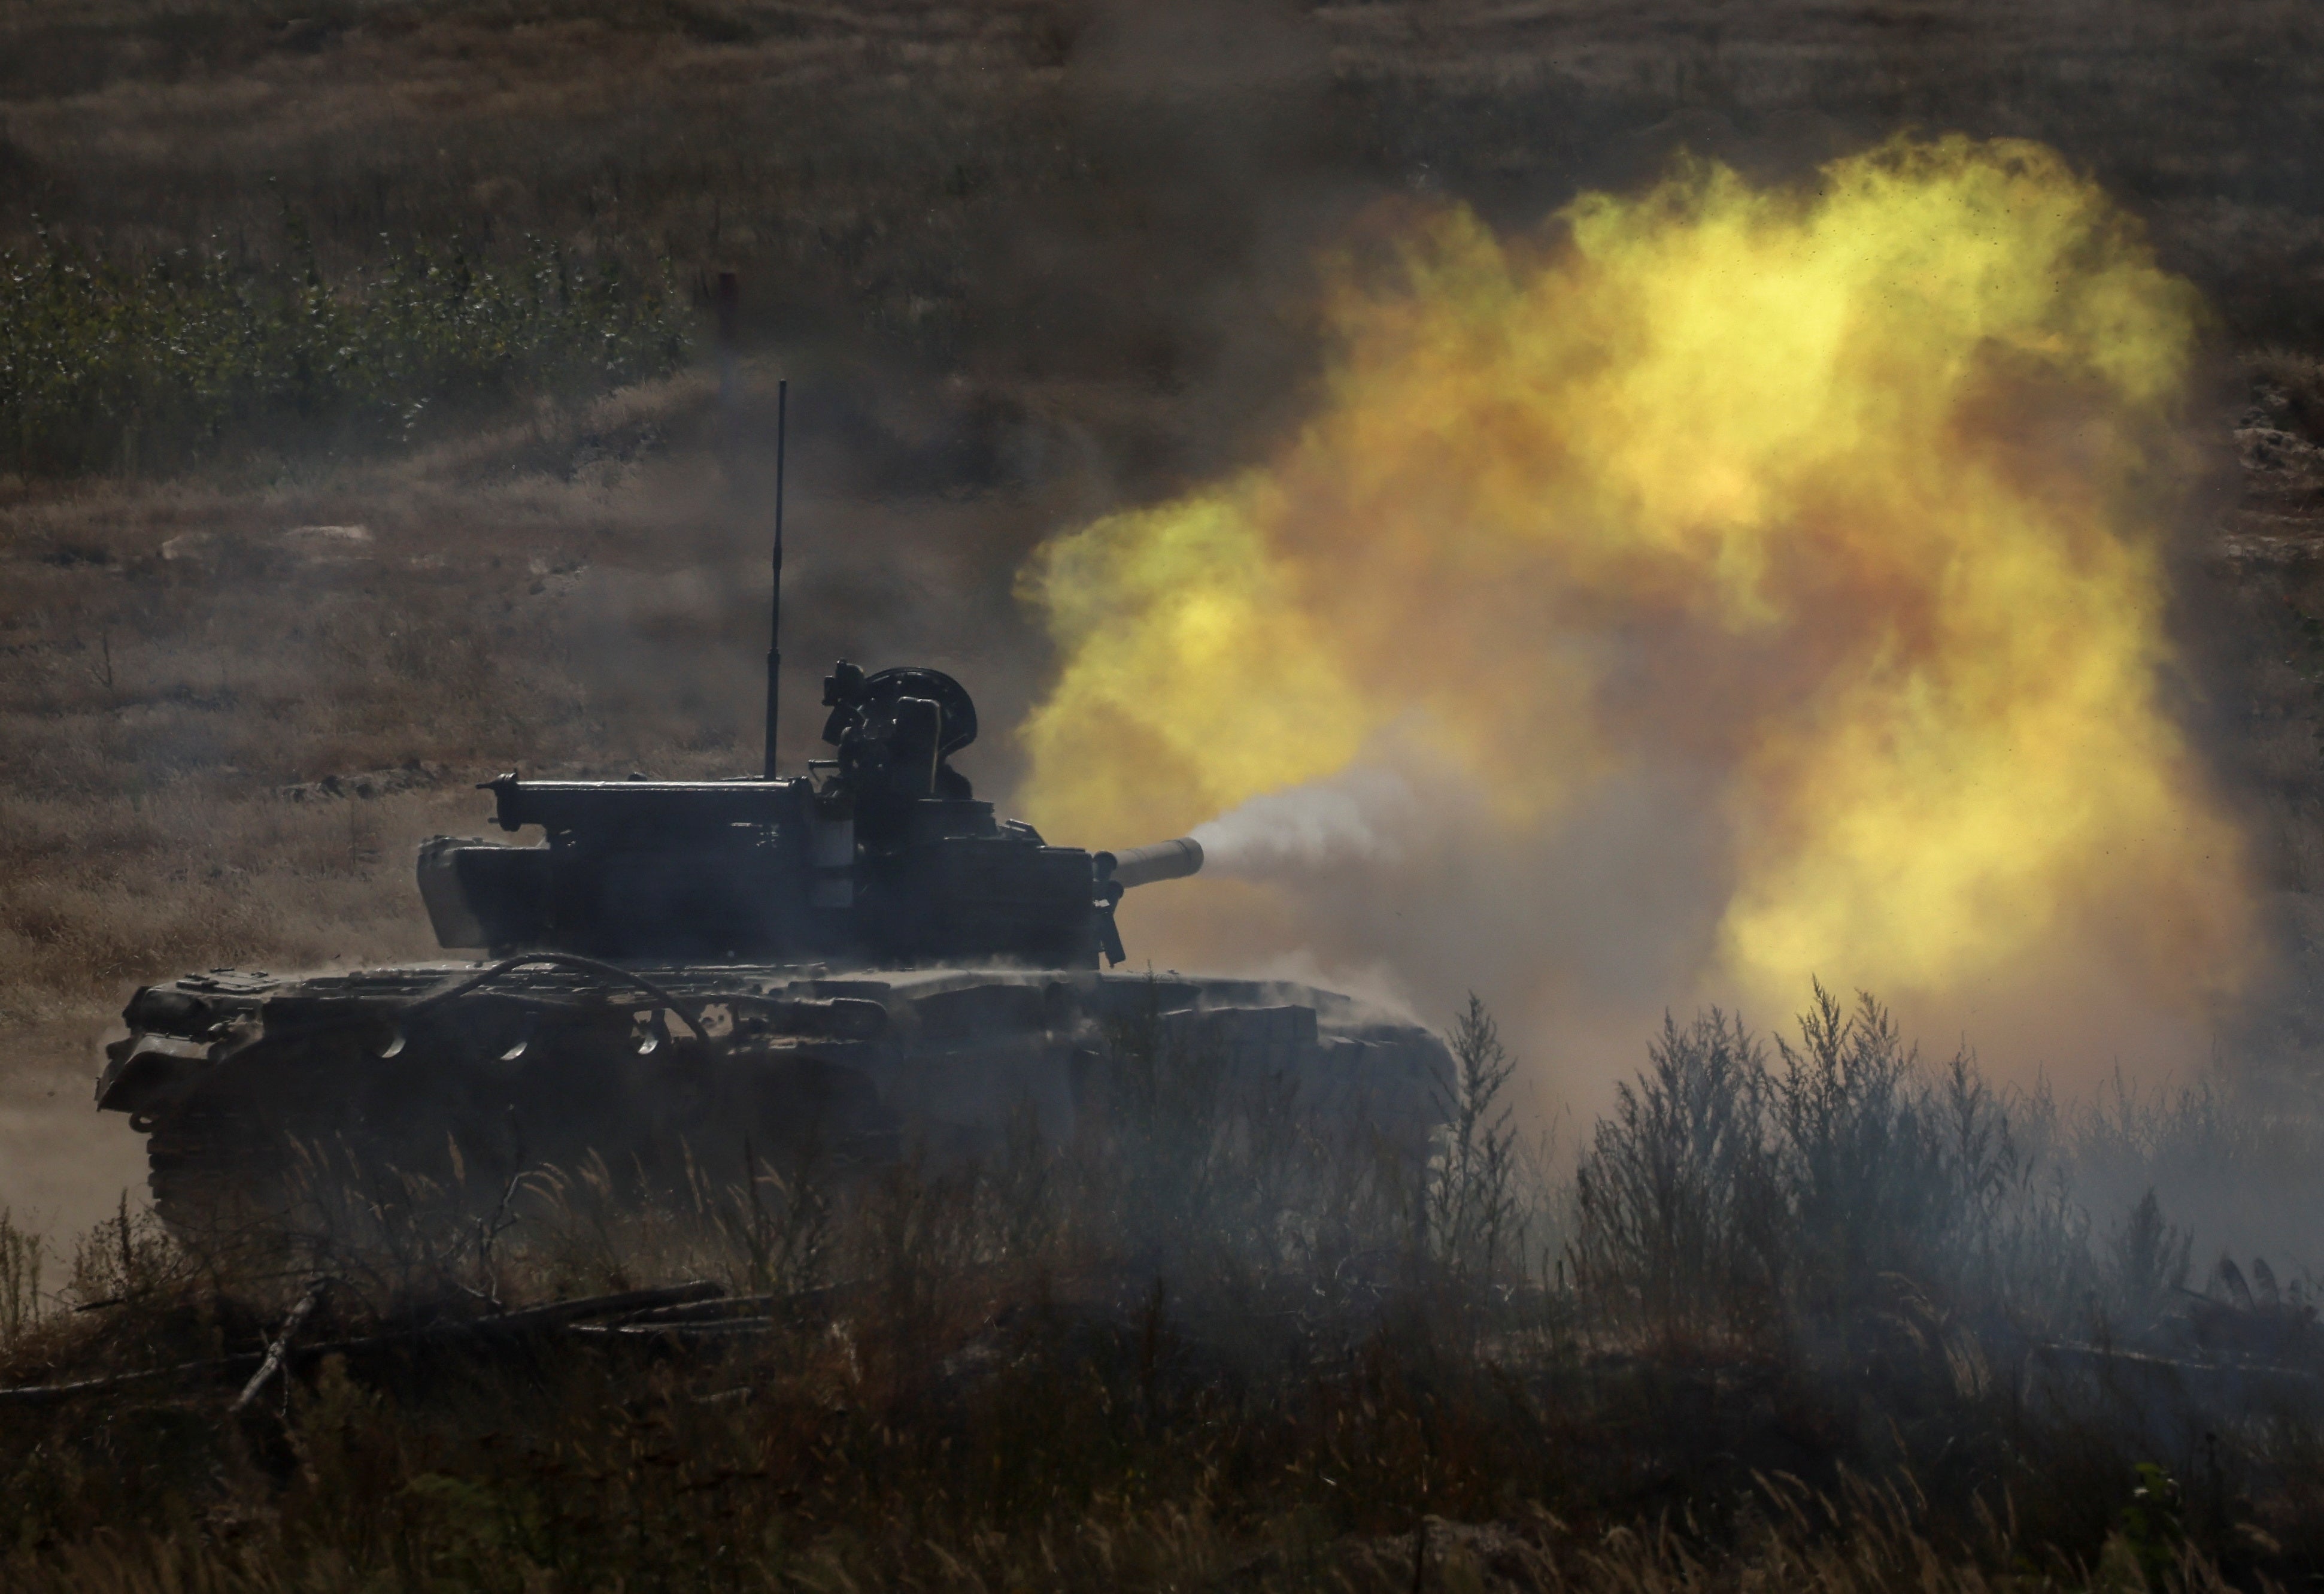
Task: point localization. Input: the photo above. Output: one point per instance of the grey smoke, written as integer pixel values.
(1365, 815)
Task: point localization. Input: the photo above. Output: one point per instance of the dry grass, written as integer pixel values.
(1063, 188)
(1204, 1342)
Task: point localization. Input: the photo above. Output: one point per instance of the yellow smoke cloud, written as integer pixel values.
(1851, 494)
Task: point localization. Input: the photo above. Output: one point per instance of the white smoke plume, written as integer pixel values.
(1365, 815)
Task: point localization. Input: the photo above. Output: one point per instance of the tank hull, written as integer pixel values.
(452, 1077)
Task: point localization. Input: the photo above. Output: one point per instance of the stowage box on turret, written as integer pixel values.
(837, 966)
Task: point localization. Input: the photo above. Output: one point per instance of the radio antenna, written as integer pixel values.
(775, 631)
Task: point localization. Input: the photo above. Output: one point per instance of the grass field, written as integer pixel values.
(1806, 1316)
(436, 478)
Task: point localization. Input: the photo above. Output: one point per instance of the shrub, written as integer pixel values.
(1475, 1219)
(1725, 1195)
(1675, 1200)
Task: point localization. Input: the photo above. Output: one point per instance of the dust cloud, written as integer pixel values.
(1725, 586)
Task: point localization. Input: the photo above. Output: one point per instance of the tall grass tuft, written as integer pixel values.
(1475, 1216)
(21, 1254)
(1676, 1203)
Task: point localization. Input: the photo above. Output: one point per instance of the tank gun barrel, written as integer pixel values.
(1142, 866)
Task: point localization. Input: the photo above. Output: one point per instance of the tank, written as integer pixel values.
(841, 967)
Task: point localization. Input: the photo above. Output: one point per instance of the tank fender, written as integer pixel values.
(175, 1037)
(144, 1071)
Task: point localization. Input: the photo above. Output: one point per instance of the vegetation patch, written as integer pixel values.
(149, 363)
(1214, 1338)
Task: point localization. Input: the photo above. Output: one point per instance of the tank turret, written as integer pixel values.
(881, 854)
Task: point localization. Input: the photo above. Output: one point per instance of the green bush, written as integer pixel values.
(1727, 1195)
(146, 363)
